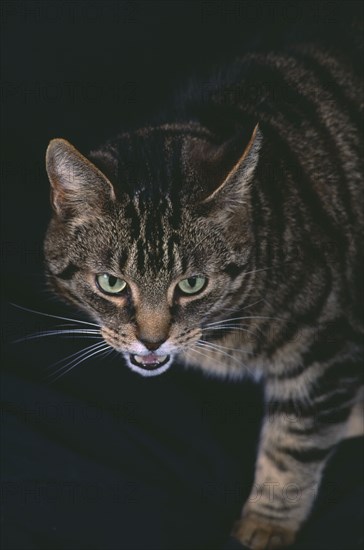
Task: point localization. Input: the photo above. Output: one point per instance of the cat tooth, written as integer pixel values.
(142, 359)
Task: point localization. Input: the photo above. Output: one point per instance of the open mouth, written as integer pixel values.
(149, 365)
(150, 361)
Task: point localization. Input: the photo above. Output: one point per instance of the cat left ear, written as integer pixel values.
(238, 179)
(77, 185)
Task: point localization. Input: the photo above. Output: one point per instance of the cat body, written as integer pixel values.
(230, 237)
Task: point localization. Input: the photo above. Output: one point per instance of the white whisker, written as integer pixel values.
(95, 349)
(231, 328)
(253, 304)
(77, 354)
(71, 366)
(257, 270)
(203, 345)
(241, 307)
(193, 348)
(218, 347)
(54, 316)
(77, 332)
(250, 317)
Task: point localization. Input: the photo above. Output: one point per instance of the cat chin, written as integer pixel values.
(148, 373)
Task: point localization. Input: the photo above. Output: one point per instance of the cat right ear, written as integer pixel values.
(77, 185)
(236, 182)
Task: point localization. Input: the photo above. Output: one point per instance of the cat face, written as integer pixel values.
(153, 255)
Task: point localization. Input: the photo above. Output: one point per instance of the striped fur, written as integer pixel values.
(273, 217)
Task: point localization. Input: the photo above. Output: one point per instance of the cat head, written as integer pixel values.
(151, 236)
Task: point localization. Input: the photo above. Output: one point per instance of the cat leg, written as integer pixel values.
(355, 424)
(297, 439)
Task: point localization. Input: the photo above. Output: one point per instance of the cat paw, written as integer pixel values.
(258, 534)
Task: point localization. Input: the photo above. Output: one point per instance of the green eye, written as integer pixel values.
(110, 284)
(192, 285)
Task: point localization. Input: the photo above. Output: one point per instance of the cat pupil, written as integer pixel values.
(191, 281)
(112, 280)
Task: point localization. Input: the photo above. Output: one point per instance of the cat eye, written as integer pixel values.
(192, 285)
(110, 284)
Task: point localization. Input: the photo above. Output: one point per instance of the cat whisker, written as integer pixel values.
(238, 309)
(194, 349)
(218, 347)
(253, 304)
(72, 325)
(54, 377)
(257, 270)
(232, 328)
(67, 368)
(207, 345)
(77, 353)
(54, 316)
(78, 332)
(250, 317)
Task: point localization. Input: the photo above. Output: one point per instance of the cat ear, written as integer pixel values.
(235, 184)
(77, 185)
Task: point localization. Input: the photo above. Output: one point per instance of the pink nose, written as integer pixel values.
(152, 346)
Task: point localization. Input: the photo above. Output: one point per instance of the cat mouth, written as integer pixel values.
(149, 365)
(149, 362)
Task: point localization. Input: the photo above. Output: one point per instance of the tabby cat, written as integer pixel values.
(228, 237)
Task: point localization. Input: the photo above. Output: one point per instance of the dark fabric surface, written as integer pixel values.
(129, 464)
(139, 464)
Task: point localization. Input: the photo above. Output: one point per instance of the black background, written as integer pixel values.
(102, 458)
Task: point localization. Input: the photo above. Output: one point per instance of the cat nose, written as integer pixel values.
(151, 346)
